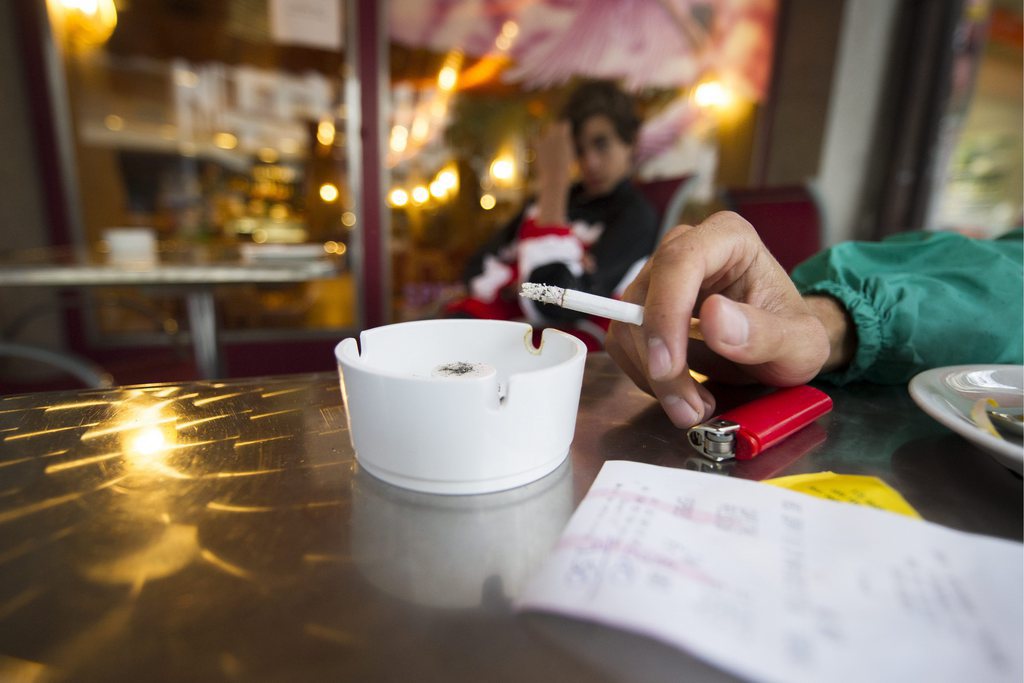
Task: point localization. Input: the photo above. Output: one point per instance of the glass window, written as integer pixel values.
(980, 192)
(473, 84)
(220, 127)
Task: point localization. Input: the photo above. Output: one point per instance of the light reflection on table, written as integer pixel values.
(224, 531)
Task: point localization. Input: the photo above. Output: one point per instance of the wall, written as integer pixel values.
(791, 129)
(22, 209)
(842, 183)
(822, 124)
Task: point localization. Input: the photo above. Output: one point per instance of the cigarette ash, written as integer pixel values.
(545, 294)
(456, 369)
(461, 369)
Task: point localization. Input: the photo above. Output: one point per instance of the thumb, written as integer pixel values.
(780, 348)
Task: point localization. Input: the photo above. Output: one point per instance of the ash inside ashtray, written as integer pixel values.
(461, 370)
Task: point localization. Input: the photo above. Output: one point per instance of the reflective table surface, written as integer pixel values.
(224, 531)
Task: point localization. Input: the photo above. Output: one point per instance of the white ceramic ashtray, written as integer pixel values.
(460, 406)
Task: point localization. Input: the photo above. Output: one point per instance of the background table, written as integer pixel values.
(224, 531)
(195, 280)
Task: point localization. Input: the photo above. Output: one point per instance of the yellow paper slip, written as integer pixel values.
(848, 488)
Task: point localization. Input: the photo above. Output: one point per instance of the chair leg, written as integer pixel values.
(88, 373)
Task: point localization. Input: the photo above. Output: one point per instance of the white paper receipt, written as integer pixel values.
(773, 585)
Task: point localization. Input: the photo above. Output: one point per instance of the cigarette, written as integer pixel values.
(603, 307)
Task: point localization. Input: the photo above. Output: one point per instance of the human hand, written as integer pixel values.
(756, 326)
(555, 156)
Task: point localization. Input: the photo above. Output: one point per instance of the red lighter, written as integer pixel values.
(744, 432)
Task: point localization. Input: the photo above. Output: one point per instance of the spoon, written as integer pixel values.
(1010, 422)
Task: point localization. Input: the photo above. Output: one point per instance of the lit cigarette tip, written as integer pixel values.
(545, 294)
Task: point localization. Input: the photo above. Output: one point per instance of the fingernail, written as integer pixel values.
(679, 411)
(659, 362)
(736, 326)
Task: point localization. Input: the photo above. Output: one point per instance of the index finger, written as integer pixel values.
(706, 257)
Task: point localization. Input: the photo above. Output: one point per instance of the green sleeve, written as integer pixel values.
(921, 300)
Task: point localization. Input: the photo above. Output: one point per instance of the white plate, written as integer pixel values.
(947, 394)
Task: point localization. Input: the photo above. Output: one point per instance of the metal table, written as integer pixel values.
(195, 280)
(224, 531)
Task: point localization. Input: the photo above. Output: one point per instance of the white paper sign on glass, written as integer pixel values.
(314, 23)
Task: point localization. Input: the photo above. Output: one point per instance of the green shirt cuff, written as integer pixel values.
(867, 325)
